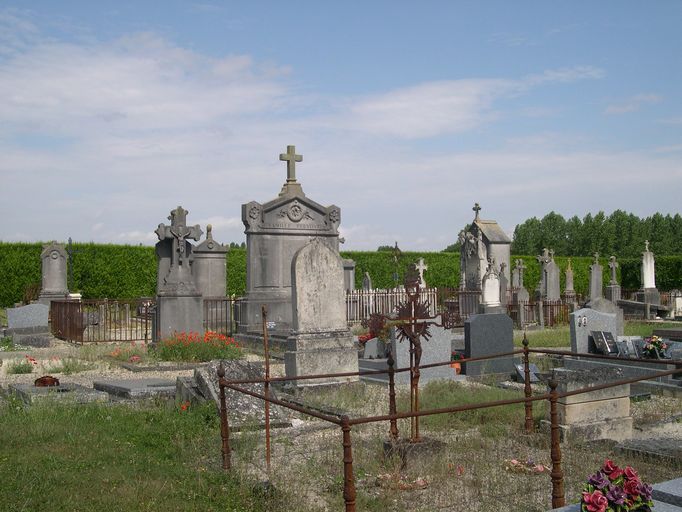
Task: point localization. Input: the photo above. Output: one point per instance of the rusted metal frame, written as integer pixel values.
(393, 430)
(621, 382)
(557, 475)
(371, 372)
(527, 390)
(266, 385)
(602, 356)
(348, 479)
(224, 426)
(276, 401)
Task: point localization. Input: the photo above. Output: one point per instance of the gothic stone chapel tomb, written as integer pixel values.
(275, 231)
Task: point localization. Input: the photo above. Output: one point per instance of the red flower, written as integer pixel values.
(630, 473)
(632, 487)
(609, 467)
(595, 502)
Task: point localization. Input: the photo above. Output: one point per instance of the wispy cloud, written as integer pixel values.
(633, 103)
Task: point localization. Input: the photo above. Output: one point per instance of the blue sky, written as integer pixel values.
(406, 113)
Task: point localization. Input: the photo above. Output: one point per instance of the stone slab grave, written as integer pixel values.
(599, 414)
(243, 411)
(436, 349)
(486, 335)
(27, 325)
(66, 392)
(667, 449)
(137, 388)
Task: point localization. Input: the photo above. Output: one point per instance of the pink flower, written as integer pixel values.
(595, 502)
(630, 473)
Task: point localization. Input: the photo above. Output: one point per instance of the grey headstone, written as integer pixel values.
(596, 279)
(349, 274)
(486, 335)
(584, 320)
(67, 392)
(436, 349)
(375, 348)
(210, 267)
(552, 279)
(366, 281)
(606, 306)
(32, 315)
(669, 492)
(54, 273)
(320, 341)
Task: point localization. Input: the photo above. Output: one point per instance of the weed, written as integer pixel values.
(193, 347)
(6, 344)
(23, 366)
(69, 366)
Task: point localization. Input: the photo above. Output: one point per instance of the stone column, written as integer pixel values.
(596, 279)
(613, 291)
(649, 293)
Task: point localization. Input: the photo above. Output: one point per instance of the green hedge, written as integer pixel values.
(124, 271)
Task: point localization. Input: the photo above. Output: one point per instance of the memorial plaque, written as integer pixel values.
(534, 372)
(604, 342)
(623, 349)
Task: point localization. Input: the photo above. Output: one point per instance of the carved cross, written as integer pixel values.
(421, 267)
(613, 265)
(596, 258)
(646, 245)
(290, 157)
(178, 231)
(476, 209)
(520, 267)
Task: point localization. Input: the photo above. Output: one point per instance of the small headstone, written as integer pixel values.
(613, 291)
(366, 281)
(552, 291)
(436, 349)
(375, 348)
(209, 268)
(584, 320)
(349, 274)
(486, 335)
(54, 273)
(28, 325)
(421, 267)
(596, 279)
(490, 291)
(648, 268)
(137, 388)
(503, 285)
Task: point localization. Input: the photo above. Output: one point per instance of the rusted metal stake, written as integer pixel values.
(558, 499)
(348, 479)
(412, 409)
(266, 385)
(224, 427)
(526, 388)
(391, 397)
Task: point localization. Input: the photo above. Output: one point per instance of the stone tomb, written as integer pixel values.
(54, 273)
(486, 335)
(27, 325)
(66, 392)
(320, 341)
(585, 320)
(209, 267)
(137, 388)
(275, 231)
(599, 414)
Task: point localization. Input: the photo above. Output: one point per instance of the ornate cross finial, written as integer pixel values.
(209, 234)
(476, 209)
(646, 245)
(290, 157)
(569, 265)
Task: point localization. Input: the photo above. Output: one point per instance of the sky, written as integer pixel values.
(406, 114)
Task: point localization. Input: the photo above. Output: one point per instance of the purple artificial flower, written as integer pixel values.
(599, 480)
(616, 495)
(645, 491)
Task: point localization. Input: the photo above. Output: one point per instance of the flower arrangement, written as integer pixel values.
(654, 347)
(456, 356)
(612, 489)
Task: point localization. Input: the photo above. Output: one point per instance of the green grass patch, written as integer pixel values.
(18, 367)
(6, 344)
(645, 329)
(194, 347)
(113, 457)
(551, 337)
(491, 422)
(69, 366)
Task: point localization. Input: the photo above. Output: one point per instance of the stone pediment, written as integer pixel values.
(288, 214)
(492, 231)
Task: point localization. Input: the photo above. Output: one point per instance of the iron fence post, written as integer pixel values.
(391, 397)
(224, 426)
(266, 385)
(558, 499)
(526, 388)
(348, 480)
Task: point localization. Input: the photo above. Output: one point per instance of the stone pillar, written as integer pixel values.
(596, 279)
(613, 291)
(569, 291)
(649, 293)
(349, 275)
(54, 273)
(490, 290)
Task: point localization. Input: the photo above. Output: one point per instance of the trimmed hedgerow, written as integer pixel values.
(124, 271)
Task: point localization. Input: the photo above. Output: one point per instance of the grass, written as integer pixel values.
(69, 366)
(644, 329)
(3, 317)
(193, 347)
(113, 457)
(19, 367)
(6, 344)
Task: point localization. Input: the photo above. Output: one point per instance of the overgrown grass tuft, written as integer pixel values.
(19, 367)
(645, 329)
(114, 457)
(69, 366)
(6, 344)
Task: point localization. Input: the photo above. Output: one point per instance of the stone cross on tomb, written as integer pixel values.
(646, 245)
(421, 267)
(178, 232)
(520, 267)
(290, 157)
(596, 258)
(476, 209)
(613, 265)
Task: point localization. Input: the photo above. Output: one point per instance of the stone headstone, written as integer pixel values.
(552, 280)
(486, 335)
(349, 274)
(648, 268)
(421, 268)
(210, 268)
(504, 285)
(54, 273)
(320, 341)
(275, 231)
(606, 306)
(28, 325)
(485, 239)
(179, 304)
(613, 291)
(490, 291)
(366, 281)
(596, 279)
(533, 372)
(584, 320)
(436, 349)
(515, 277)
(520, 294)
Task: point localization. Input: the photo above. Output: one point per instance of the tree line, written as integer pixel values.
(621, 234)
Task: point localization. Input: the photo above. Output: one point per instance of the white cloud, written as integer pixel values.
(633, 103)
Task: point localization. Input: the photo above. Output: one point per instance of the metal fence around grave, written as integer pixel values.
(220, 314)
(102, 320)
(360, 304)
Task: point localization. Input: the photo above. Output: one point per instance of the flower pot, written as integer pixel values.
(457, 366)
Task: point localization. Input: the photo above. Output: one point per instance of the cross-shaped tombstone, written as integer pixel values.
(613, 265)
(476, 209)
(421, 267)
(178, 232)
(646, 245)
(521, 267)
(290, 157)
(596, 258)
